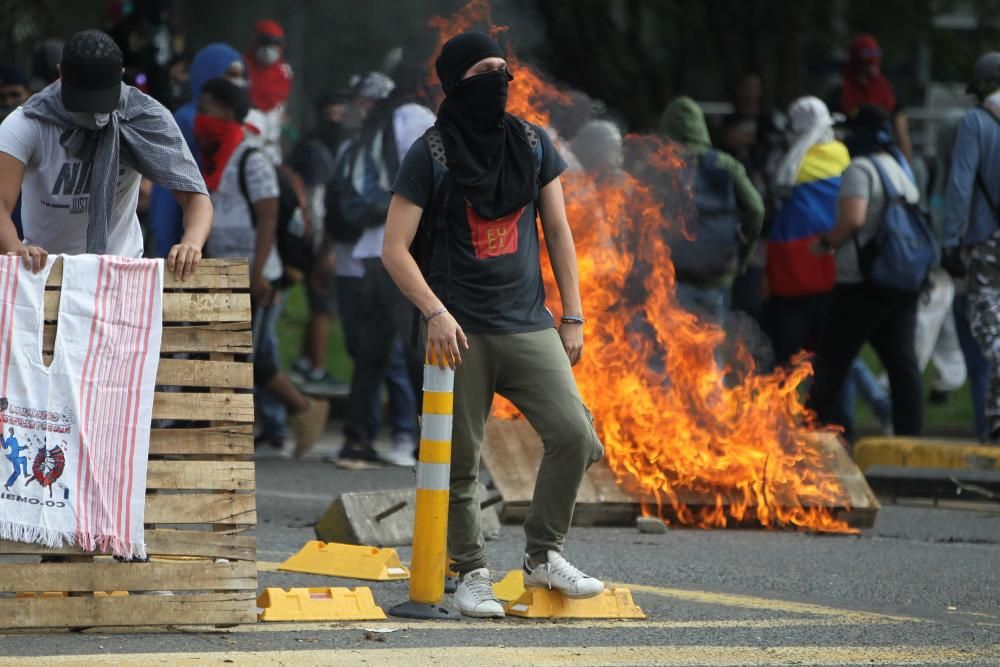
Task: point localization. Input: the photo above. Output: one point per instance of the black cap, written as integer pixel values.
(987, 68)
(91, 72)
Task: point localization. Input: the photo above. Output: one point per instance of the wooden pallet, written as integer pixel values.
(200, 482)
(512, 452)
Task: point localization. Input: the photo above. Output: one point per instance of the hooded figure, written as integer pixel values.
(808, 182)
(215, 61)
(863, 79)
(683, 121)
(270, 75)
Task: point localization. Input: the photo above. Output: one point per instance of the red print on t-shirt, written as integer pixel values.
(492, 238)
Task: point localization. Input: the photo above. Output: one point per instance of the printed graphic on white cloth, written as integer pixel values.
(75, 433)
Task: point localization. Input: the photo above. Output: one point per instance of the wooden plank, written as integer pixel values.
(201, 475)
(186, 306)
(201, 373)
(512, 452)
(236, 338)
(142, 610)
(113, 576)
(163, 542)
(215, 440)
(210, 274)
(203, 407)
(229, 508)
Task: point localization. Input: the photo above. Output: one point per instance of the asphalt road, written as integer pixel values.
(922, 588)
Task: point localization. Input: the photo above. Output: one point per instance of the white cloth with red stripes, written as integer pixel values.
(76, 431)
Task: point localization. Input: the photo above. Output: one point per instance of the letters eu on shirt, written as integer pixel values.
(55, 193)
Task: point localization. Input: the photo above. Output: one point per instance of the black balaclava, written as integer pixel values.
(488, 152)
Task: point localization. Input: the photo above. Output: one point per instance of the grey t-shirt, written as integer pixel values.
(862, 180)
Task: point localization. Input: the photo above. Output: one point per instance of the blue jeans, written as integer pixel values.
(402, 398)
(975, 362)
(862, 381)
(272, 413)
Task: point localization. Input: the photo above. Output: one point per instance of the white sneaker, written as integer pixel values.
(557, 573)
(401, 453)
(475, 597)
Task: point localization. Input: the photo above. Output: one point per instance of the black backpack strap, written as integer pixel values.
(533, 141)
(435, 144)
(244, 190)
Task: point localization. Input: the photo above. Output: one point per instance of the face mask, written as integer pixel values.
(268, 55)
(211, 132)
(481, 99)
(90, 121)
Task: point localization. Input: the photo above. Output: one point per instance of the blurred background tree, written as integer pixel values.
(632, 54)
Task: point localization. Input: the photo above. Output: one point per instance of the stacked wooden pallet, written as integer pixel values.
(200, 484)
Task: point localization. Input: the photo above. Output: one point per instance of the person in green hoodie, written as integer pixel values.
(724, 215)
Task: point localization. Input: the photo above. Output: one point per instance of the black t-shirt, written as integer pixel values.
(486, 272)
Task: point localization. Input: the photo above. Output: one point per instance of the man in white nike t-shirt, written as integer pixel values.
(79, 182)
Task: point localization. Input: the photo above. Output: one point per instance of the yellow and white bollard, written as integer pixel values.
(430, 525)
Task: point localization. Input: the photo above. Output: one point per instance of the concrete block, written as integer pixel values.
(383, 518)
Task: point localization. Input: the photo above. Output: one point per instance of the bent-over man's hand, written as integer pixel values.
(572, 340)
(183, 259)
(445, 340)
(34, 257)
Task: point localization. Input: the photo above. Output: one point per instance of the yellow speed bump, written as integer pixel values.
(511, 587)
(920, 453)
(546, 603)
(318, 604)
(347, 560)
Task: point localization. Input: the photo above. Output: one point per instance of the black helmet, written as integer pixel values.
(987, 68)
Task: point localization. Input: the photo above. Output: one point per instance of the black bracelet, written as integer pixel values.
(573, 319)
(439, 311)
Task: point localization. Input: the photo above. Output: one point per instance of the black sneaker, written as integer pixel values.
(355, 456)
(938, 397)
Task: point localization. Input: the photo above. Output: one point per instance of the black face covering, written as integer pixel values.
(488, 152)
(481, 99)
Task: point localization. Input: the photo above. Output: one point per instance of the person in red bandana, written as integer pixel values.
(864, 83)
(270, 85)
(245, 189)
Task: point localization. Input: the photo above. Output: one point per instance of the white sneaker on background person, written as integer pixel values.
(401, 454)
(557, 573)
(475, 597)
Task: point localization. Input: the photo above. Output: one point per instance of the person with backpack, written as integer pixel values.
(725, 221)
(470, 193)
(884, 249)
(247, 194)
(373, 311)
(971, 236)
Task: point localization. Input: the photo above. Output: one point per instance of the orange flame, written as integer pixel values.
(704, 444)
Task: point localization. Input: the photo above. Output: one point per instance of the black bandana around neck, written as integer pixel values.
(489, 156)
